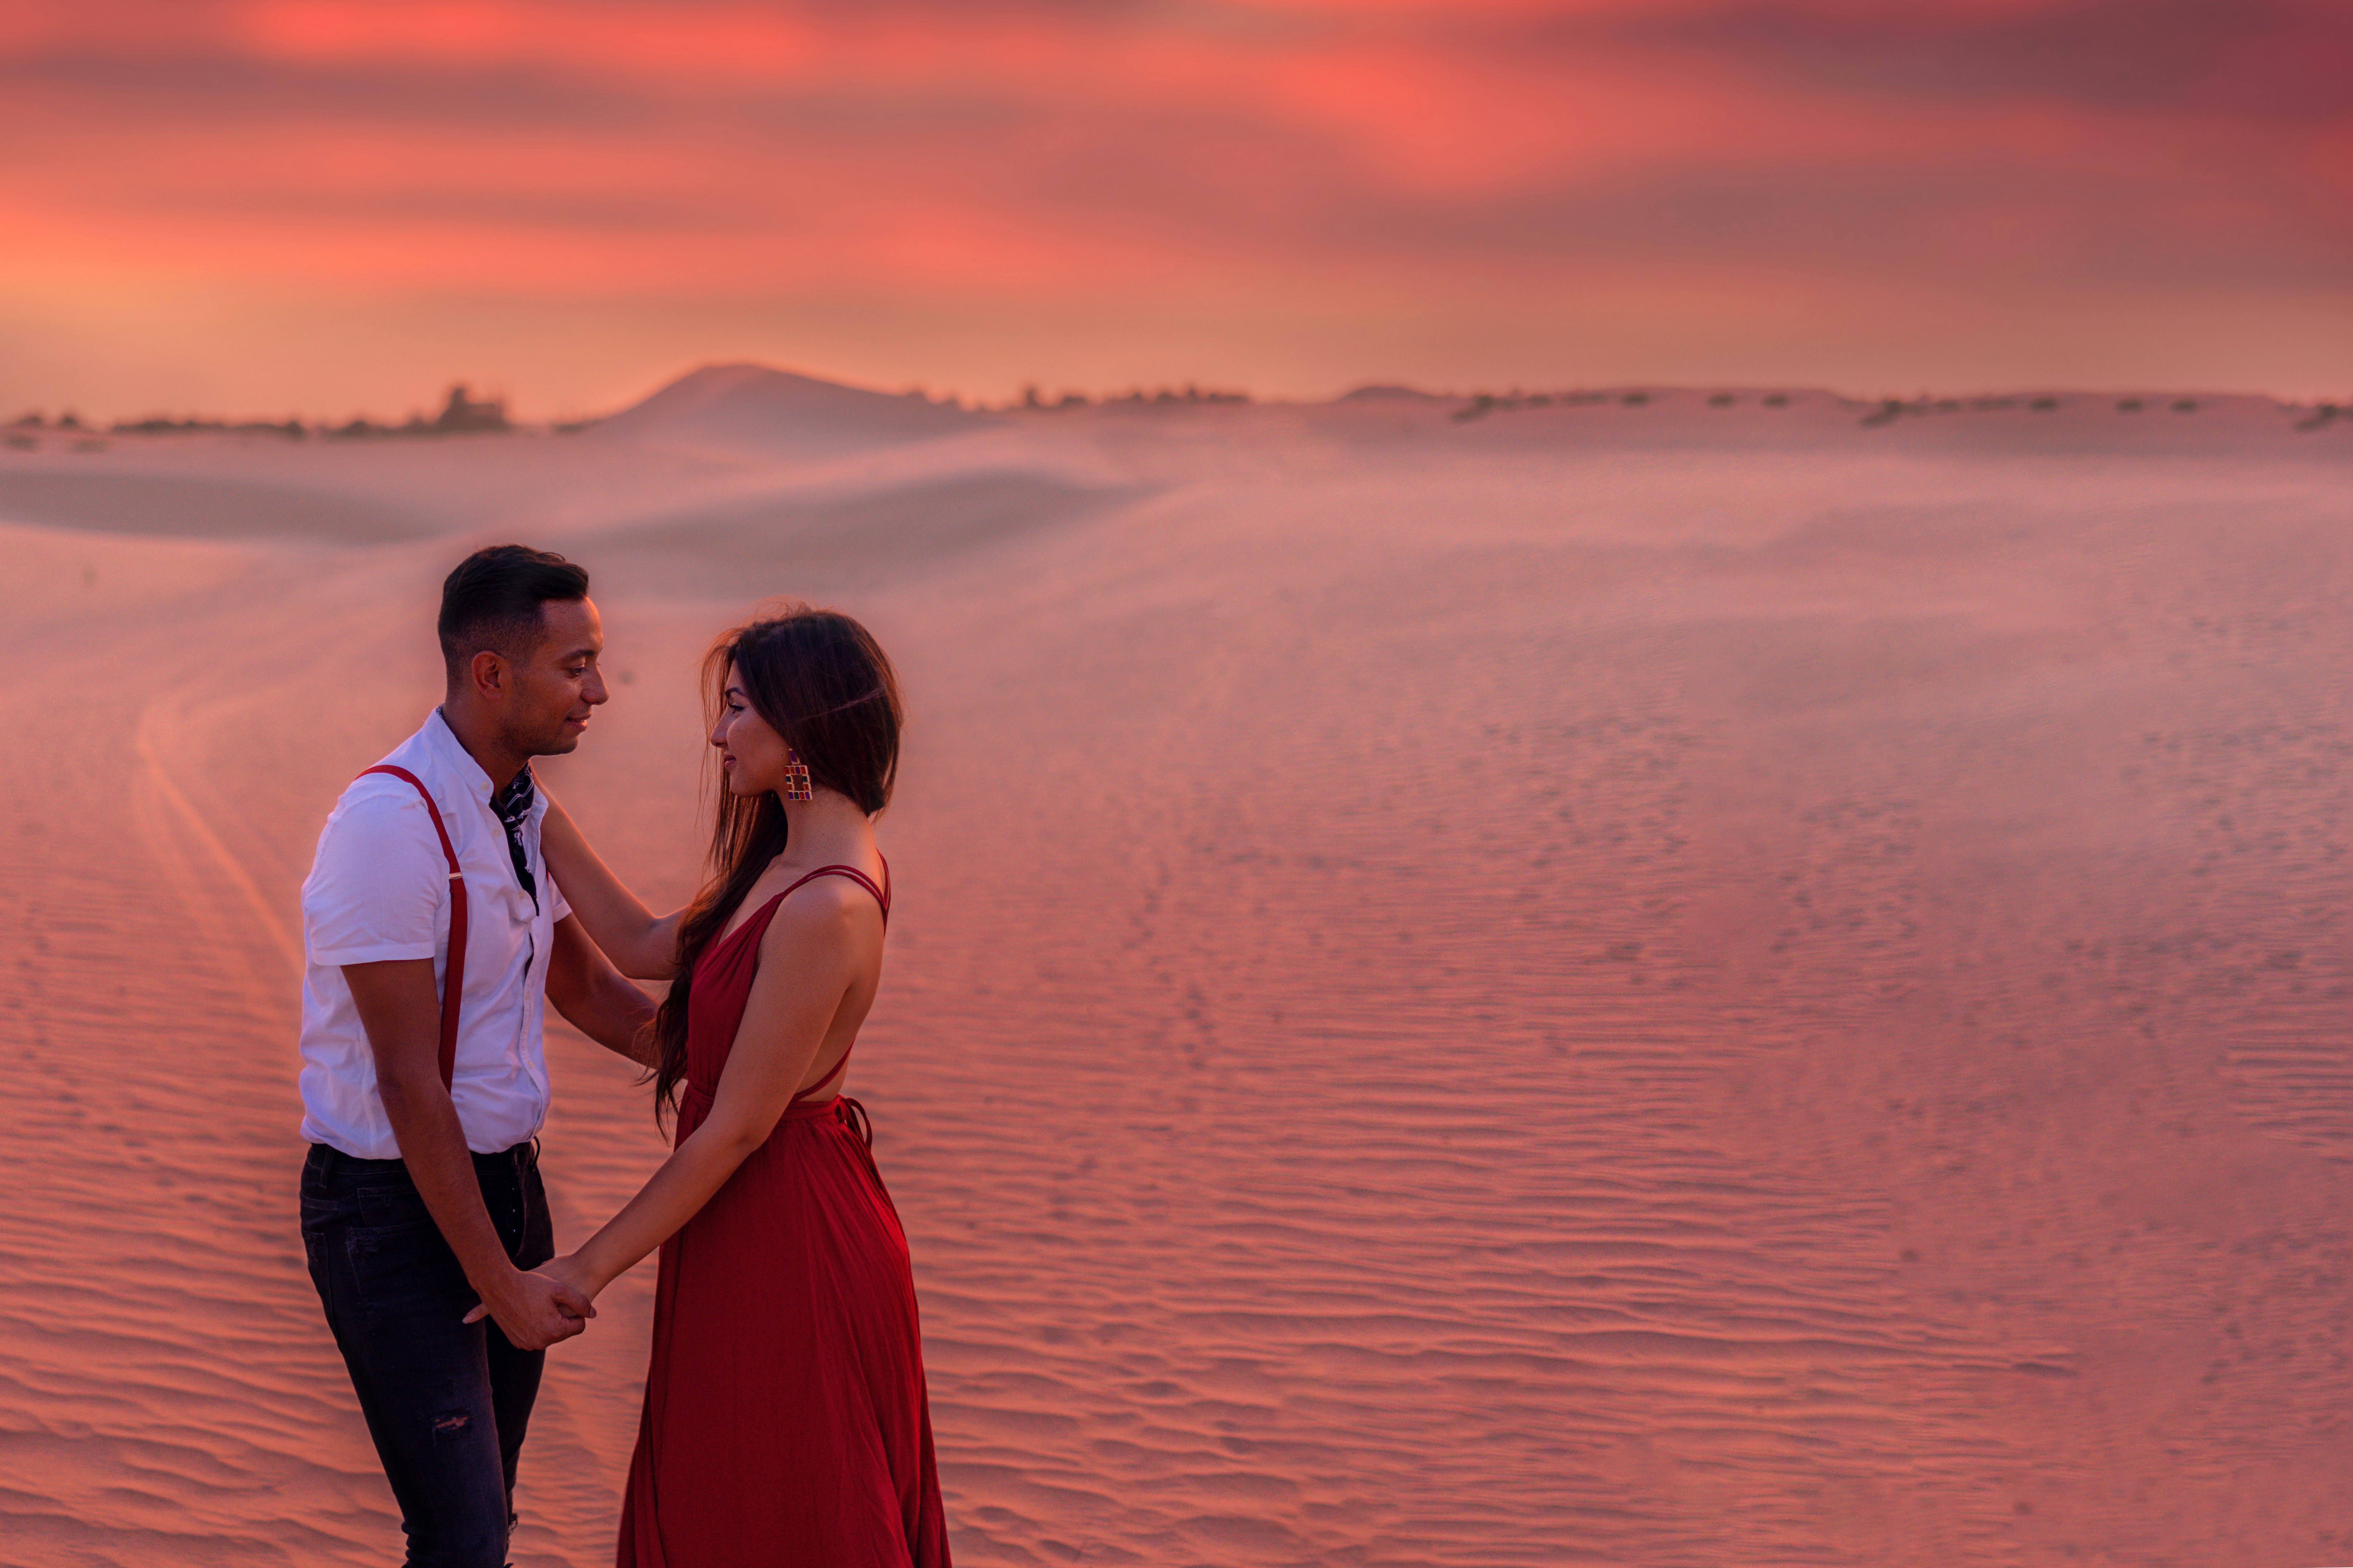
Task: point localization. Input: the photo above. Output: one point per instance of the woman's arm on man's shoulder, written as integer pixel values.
(641, 944)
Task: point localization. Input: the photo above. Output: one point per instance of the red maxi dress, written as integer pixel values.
(786, 1422)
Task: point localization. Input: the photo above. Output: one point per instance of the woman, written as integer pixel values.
(784, 1417)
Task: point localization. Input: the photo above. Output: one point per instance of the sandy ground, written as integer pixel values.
(1640, 985)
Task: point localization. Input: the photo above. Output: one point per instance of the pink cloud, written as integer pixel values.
(1470, 157)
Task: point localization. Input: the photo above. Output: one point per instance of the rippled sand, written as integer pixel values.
(1625, 985)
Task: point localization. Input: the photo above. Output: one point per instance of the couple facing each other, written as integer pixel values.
(784, 1417)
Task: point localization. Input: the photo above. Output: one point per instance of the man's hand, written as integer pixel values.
(533, 1311)
(401, 1014)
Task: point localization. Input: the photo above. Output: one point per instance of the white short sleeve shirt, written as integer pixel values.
(379, 889)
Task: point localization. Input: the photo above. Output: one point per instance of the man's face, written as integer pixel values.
(558, 684)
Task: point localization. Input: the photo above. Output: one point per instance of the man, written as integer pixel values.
(422, 1193)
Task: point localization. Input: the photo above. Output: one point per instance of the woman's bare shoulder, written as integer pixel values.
(825, 901)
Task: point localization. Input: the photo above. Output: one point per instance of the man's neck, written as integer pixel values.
(482, 744)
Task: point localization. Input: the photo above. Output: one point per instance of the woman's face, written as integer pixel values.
(750, 750)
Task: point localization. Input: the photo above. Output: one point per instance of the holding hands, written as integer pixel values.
(536, 1309)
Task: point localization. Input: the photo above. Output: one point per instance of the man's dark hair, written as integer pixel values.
(492, 601)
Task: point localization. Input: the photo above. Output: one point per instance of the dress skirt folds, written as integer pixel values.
(786, 1421)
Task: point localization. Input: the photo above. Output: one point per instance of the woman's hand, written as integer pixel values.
(570, 1272)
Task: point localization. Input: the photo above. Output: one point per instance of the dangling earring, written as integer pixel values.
(796, 779)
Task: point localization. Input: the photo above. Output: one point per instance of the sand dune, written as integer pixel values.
(1633, 984)
(775, 411)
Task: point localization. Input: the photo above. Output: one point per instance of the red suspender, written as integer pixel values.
(453, 980)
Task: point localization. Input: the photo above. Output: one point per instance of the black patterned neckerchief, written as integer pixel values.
(514, 805)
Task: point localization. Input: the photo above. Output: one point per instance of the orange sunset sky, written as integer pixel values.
(335, 206)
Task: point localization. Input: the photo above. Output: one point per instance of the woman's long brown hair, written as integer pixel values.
(822, 683)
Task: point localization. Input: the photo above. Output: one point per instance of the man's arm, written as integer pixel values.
(403, 1018)
(597, 998)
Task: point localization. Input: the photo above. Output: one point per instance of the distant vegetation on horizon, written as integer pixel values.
(462, 413)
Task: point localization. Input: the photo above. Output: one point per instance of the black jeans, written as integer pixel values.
(446, 1402)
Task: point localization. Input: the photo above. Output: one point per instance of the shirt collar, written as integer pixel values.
(453, 755)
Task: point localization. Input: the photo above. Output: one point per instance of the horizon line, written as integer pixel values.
(1034, 397)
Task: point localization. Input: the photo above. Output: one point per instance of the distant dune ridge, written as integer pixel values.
(1641, 980)
(735, 445)
(992, 469)
(777, 410)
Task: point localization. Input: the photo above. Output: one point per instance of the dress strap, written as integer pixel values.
(881, 894)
